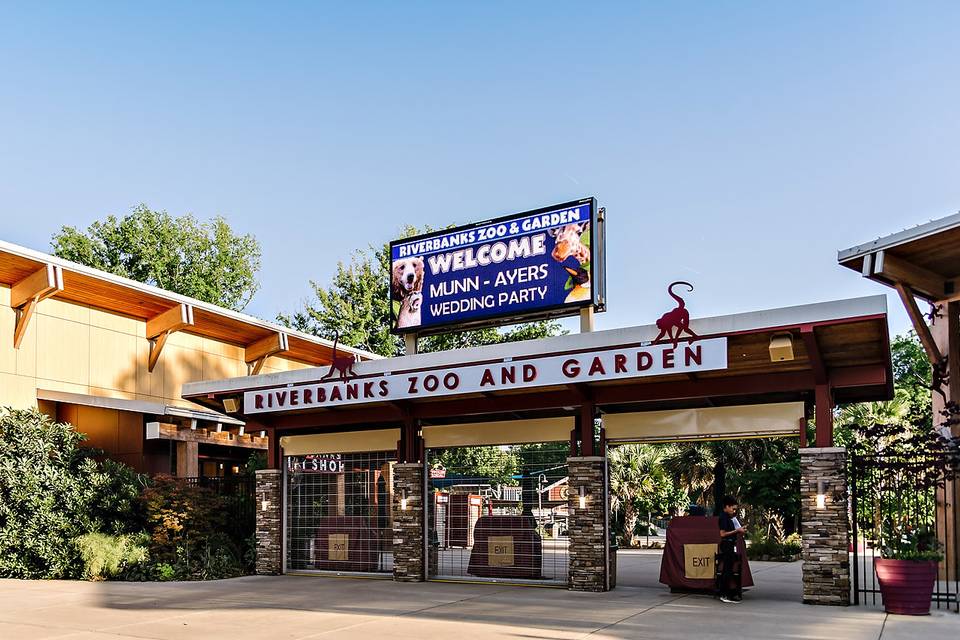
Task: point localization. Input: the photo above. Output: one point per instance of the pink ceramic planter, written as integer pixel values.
(906, 585)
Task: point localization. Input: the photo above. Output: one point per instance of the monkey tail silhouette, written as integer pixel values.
(675, 296)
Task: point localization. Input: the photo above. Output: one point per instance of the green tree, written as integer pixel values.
(639, 483)
(479, 465)
(356, 305)
(912, 377)
(53, 491)
(203, 260)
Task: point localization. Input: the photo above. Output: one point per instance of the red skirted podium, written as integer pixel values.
(346, 543)
(506, 547)
(688, 559)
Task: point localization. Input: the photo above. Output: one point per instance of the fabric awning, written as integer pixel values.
(745, 421)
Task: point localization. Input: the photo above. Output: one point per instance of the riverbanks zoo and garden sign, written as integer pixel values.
(537, 264)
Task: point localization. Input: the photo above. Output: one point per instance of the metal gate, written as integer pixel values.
(498, 513)
(338, 513)
(897, 495)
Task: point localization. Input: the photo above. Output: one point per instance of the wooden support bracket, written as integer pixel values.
(813, 353)
(256, 353)
(919, 324)
(26, 294)
(161, 326)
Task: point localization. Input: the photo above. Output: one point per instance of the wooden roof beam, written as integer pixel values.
(161, 326)
(928, 284)
(256, 353)
(814, 354)
(27, 293)
(919, 324)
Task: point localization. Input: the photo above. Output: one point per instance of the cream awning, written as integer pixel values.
(745, 421)
(351, 442)
(502, 432)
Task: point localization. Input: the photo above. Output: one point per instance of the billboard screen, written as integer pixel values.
(536, 264)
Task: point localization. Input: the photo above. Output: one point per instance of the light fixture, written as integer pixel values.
(781, 347)
(231, 405)
(583, 497)
(821, 495)
(221, 466)
(193, 424)
(235, 469)
(403, 500)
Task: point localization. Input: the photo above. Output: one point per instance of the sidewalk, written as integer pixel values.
(319, 607)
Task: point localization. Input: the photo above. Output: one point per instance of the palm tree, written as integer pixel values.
(636, 473)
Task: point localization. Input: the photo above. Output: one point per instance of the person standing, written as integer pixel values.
(730, 528)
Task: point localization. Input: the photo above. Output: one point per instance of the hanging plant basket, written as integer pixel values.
(906, 585)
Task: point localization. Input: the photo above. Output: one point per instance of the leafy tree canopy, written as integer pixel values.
(356, 304)
(203, 260)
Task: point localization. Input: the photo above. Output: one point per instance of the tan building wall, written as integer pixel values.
(79, 349)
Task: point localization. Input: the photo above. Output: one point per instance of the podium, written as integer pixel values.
(689, 558)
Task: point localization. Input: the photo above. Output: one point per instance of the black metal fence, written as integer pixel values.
(239, 497)
(891, 494)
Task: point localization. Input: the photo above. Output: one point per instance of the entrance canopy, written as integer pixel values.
(823, 354)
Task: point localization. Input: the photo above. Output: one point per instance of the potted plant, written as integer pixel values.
(907, 570)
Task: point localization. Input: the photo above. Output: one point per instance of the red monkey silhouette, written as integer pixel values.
(340, 364)
(678, 318)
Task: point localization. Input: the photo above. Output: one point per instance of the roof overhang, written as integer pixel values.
(145, 407)
(844, 344)
(926, 259)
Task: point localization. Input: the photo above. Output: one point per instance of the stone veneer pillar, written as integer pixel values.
(408, 523)
(826, 531)
(587, 527)
(269, 529)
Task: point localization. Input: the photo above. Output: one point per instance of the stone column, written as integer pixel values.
(825, 531)
(269, 522)
(588, 532)
(408, 522)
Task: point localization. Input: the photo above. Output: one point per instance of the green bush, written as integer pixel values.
(106, 556)
(186, 526)
(53, 491)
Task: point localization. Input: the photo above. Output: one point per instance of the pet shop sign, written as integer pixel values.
(609, 364)
(547, 262)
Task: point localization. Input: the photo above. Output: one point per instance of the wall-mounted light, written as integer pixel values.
(231, 405)
(583, 497)
(781, 347)
(403, 500)
(221, 466)
(821, 495)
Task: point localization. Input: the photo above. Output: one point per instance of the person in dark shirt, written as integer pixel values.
(729, 530)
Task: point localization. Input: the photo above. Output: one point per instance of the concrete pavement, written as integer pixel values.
(298, 607)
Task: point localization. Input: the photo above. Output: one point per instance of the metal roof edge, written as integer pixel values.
(39, 256)
(717, 325)
(901, 237)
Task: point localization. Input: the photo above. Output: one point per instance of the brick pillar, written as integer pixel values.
(269, 514)
(588, 527)
(408, 523)
(826, 531)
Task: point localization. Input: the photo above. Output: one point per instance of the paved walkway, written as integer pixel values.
(318, 607)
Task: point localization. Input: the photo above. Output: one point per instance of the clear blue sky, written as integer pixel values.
(737, 145)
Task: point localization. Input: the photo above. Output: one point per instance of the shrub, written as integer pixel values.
(106, 556)
(53, 491)
(186, 528)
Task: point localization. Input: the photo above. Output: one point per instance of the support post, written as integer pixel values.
(269, 522)
(589, 547)
(410, 344)
(825, 531)
(188, 459)
(586, 319)
(946, 335)
(588, 412)
(824, 408)
(408, 522)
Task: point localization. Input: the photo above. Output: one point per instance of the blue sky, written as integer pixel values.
(735, 145)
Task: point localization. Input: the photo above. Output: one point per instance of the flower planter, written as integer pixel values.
(906, 585)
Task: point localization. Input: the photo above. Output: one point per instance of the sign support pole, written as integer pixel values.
(410, 341)
(586, 319)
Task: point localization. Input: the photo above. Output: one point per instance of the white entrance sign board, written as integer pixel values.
(572, 368)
